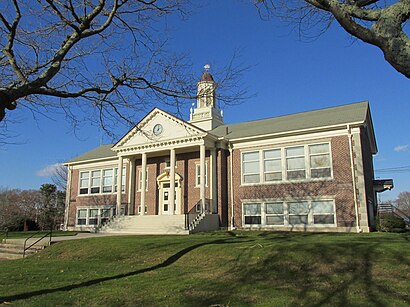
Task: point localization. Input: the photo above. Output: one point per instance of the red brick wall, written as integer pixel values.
(340, 187)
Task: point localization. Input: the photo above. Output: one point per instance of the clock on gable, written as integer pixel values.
(157, 130)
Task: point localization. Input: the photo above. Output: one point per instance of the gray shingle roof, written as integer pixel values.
(350, 113)
(101, 152)
(344, 114)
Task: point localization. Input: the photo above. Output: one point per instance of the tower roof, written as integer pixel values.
(206, 76)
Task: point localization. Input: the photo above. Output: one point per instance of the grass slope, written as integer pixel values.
(222, 268)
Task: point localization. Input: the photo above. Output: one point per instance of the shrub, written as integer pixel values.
(389, 222)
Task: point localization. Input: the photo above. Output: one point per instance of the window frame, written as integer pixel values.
(328, 153)
(197, 174)
(284, 167)
(310, 214)
(99, 218)
(243, 174)
(244, 216)
(101, 177)
(139, 185)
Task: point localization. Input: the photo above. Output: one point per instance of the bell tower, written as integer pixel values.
(206, 116)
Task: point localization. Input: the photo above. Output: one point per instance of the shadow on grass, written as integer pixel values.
(302, 269)
(170, 260)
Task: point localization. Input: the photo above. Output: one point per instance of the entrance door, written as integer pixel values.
(165, 203)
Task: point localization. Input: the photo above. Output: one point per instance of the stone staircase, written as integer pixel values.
(147, 225)
(14, 249)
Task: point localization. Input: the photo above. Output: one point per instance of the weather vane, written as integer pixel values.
(207, 67)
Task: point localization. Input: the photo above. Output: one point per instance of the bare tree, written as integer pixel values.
(403, 202)
(376, 22)
(59, 176)
(102, 60)
(18, 208)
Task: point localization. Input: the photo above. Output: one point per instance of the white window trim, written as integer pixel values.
(102, 169)
(198, 165)
(310, 223)
(284, 166)
(87, 218)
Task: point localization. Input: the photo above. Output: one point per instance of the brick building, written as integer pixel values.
(310, 171)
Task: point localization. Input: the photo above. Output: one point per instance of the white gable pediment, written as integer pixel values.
(171, 128)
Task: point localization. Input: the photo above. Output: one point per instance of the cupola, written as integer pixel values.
(206, 116)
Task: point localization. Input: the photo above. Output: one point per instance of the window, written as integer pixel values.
(295, 163)
(198, 174)
(323, 212)
(94, 216)
(287, 164)
(107, 180)
(272, 165)
(140, 180)
(319, 156)
(298, 213)
(84, 180)
(105, 216)
(100, 181)
(251, 167)
(167, 163)
(139, 209)
(252, 214)
(81, 216)
(95, 182)
(275, 213)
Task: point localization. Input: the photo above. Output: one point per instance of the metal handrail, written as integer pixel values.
(193, 214)
(401, 214)
(50, 233)
(396, 211)
(4, 233)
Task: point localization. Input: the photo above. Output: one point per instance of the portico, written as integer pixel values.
(151, 155)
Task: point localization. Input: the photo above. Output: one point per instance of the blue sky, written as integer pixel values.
(286, 76)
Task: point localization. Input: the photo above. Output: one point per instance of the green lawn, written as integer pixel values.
(222, 268)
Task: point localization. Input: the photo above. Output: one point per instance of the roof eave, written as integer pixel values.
(69, 163)
(295, 132)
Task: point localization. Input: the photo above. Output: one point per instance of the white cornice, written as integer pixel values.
(138, 128)
(160, 145)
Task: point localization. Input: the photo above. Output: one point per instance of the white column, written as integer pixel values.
(119, 184)
(171, 199)
(202, 176)
(131, 200)
(144, 182)
(213, 181)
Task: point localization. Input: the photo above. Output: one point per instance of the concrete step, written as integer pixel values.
(147, 224)
(15, 251)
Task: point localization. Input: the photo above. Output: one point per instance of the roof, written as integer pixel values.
(101, 152)
(350, 113)
(206, 76)
(340, 115)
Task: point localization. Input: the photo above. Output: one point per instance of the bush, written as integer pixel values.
(389, 222)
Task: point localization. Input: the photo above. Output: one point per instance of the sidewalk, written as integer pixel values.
(44, 241)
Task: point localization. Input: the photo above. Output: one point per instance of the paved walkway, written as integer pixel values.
(78, 236)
